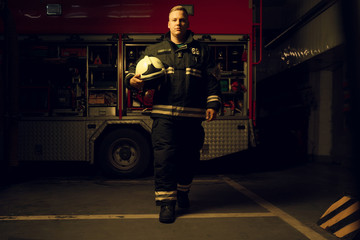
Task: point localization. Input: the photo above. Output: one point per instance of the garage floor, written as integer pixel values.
(258, 203)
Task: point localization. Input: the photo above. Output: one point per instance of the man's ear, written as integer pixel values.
(168, 25)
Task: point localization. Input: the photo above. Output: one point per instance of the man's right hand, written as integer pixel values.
(136, 82)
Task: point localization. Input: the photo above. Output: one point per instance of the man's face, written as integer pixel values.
(178, 23)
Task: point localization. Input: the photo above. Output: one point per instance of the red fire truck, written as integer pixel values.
(72, 59)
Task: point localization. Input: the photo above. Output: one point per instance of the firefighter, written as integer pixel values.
(189, 94)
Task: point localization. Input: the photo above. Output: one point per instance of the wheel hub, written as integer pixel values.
(125, 153)
(124, 156)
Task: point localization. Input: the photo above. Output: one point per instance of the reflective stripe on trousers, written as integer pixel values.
(176, 145)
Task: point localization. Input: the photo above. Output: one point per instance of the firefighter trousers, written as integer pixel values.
(176, 145)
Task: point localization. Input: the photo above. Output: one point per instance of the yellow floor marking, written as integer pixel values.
(132, 216)
(308, 232)
(228, 215)
(151, 181)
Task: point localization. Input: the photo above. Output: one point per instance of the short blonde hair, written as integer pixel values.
(179, 8)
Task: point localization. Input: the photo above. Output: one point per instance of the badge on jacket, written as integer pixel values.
(195, 51)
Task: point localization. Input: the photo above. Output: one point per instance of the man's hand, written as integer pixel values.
(210, 114)
(136, 82)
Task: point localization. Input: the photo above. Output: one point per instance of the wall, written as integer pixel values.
(320, 123)
(318, 36)
(314, 53)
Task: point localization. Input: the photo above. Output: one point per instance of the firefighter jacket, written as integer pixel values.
(190, 85)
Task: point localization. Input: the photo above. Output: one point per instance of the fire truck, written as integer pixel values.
(72, 60)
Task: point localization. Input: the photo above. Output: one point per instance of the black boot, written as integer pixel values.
(183, 199)
(167, 212)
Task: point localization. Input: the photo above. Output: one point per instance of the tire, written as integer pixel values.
(125, 153)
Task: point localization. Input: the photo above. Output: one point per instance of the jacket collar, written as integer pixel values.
(189, 37)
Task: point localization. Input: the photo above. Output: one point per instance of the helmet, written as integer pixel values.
(151, 71)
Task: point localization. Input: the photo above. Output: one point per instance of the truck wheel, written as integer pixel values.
(125, 153)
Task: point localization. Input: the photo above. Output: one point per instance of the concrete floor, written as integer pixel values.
(257, 203)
